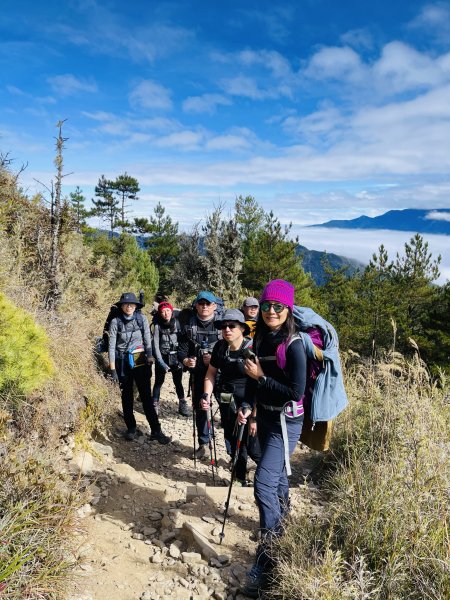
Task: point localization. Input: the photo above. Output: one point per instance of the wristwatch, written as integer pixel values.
(262, 380)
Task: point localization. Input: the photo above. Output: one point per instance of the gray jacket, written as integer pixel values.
(126, 335)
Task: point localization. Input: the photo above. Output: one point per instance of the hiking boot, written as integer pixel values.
(201, 451)
(160, 437)
(183, 408)
(254, 582)
(130, 435)
(241, 482)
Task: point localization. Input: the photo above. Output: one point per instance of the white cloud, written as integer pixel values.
(402, 68)
(338, 64)
(207, 103)
(435, 215)
(15, 91)
(435, 19)
(399, 68)
(248, 87)
(150, 94)
(358, 38)
(274, 62)
(183, 140)
(69, 85)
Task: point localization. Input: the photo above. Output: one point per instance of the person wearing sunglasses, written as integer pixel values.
(279, 405)
(235, 390)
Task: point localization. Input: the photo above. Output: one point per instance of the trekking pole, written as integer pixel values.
(233, 473)
(213, 434)
(210, 444)
(191, 393)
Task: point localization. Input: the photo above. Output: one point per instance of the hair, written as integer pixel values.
(287, 329)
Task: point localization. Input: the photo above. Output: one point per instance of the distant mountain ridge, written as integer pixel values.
(312, 263)
(417, 220)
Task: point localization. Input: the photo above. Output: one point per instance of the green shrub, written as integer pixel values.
(383, 534)
(25, 362)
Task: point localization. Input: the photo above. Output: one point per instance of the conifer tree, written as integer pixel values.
(274, 256)
(222, 256)
(132, 267)
(162, 244)
(414, 274)
(107, 205)
(77, 200)
(125, 188)
(189, 275)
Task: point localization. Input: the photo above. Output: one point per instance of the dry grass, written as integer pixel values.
(385, 533)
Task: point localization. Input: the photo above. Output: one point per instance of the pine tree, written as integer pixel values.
(162, 244)
(107, 206)
(77, 200)
(124, 187)
(132, 267)
(189, 275)
(414, 274)
(222, 256)
(274, 256)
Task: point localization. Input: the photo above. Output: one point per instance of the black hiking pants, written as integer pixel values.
(160, 375)
(142, 377)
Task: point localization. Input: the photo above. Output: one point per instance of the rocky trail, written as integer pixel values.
(151, 521)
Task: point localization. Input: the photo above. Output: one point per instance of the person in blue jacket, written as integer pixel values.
(279, 416)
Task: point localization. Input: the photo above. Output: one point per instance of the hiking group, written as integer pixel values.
(265, 364)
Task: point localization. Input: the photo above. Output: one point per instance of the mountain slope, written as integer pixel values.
(435, 221)
(312, 263)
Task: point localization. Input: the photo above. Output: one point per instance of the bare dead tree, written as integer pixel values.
(54, 292)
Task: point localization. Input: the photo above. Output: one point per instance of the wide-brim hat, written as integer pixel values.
(233, 314)
(129, 298)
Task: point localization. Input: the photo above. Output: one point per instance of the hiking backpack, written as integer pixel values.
(325, 395)
(102, 343)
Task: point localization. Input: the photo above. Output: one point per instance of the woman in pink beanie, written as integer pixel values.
(280, 372)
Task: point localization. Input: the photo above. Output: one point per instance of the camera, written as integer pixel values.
(249, 354)
(204, 348)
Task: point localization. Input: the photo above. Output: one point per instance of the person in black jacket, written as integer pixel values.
(166, 335)
(280, 371)
(235, 390)
(196, 345)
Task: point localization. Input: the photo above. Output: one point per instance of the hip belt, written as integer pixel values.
(290, 410)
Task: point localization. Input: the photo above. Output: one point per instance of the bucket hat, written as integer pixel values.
(233, 314)
(129, 298)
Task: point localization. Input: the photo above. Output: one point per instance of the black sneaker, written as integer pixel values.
(183, 409)
(160, 437)
(255, 580)
(201, 451)
(130, 434)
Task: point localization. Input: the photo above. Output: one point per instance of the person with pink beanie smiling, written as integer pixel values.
(279, 420)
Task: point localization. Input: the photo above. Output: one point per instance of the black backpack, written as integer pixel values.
(102, 343)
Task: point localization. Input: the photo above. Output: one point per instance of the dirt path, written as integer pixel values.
(141, 499)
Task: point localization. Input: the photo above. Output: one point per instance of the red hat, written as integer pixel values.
(163, 305)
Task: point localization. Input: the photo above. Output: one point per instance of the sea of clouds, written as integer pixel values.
(361, 244)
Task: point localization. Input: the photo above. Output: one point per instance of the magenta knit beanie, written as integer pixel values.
(279, 290)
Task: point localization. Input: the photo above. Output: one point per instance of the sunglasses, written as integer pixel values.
(229, 325)
(277, 306)
(203, 303)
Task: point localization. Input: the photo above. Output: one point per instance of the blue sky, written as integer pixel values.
(320, 109)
